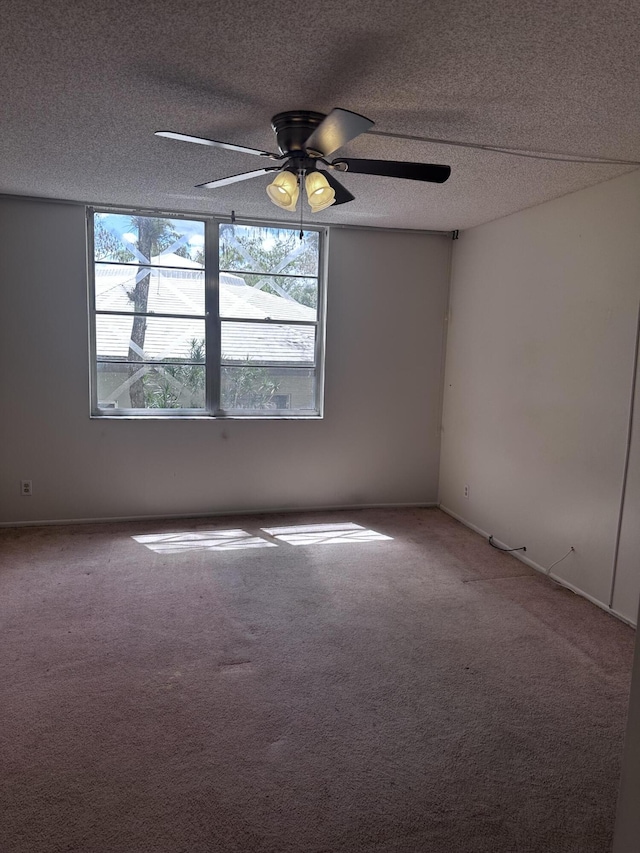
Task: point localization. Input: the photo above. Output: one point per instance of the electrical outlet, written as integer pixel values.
(26, 488)
(466, 491)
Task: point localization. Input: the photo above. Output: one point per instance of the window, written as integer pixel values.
(205, 318)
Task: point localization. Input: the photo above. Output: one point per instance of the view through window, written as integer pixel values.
(173, 336)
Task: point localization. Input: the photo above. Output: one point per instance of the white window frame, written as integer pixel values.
(213, 324)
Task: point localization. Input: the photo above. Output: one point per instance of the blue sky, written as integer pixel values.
(120, 224)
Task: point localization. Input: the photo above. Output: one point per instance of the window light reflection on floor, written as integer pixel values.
(324, 534)
(202, 540)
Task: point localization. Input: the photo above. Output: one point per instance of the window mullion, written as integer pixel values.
(268, 321)
(212, 319)
(152, 315)
(91, 278)
(271, 274)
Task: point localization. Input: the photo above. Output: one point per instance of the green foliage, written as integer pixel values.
(159, 393)
(304, 292)
(106, 246)
(186, 391)
(247, 387)
(154, 233)
(254, 253)
(243, 387)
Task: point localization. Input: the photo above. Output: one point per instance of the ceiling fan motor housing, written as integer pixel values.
(292, 129)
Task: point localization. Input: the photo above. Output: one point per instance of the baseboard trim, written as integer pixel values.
(217, 514)
(538, 568)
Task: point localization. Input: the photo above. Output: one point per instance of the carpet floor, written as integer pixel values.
(209, 686)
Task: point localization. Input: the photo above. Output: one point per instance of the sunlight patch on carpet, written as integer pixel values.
(324, 534)
(202, 540)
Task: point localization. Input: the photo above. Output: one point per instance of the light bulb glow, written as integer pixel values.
(284, 190)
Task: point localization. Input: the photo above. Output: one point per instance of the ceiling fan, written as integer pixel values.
(305, 139)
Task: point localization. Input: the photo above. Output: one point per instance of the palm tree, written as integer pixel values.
(154, 235)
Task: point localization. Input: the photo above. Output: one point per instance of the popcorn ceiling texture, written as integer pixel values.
(84, 86)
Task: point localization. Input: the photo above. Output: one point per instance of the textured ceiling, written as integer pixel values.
(84, 85)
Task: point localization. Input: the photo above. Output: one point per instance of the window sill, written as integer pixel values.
(213, 418)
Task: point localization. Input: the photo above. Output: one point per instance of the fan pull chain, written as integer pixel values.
(301, 209)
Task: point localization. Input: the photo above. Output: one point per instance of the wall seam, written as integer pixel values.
(445, 340)
(625, 473)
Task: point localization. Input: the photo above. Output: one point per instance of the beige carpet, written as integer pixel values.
(342, 694)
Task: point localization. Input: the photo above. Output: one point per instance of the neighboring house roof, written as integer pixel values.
(181, 291)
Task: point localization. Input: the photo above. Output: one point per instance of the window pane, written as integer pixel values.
(149, 339)
(245, 343)
(157, 291)
(268, 297)
(150, 386)
(267, 388)
(155, 240)
(258, 249)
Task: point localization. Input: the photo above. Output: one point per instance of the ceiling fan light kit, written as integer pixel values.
(305, 139)
(319, 194)
(283, 190)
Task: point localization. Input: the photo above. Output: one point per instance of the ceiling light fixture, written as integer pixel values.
(284, 190)
(319, 193)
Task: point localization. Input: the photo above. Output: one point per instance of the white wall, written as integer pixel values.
(378, 441)
(627, 581)
(538, 383)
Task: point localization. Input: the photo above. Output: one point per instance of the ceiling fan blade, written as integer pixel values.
(182, 137)
(395, 169)
(342, 193)
(334, 131)
(233, 179)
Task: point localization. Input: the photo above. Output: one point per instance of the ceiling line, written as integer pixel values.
(516, 152)
(218, 217)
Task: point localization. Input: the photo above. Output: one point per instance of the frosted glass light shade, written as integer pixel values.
(284, 191)
(319, 193)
